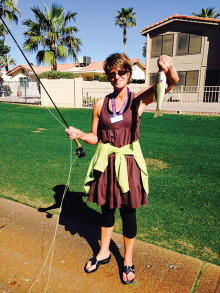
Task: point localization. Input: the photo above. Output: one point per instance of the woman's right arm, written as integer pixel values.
(92, 137)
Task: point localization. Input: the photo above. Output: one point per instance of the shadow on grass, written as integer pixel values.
(77, 217)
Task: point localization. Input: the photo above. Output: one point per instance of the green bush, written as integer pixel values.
(57, 75)
(99, 78)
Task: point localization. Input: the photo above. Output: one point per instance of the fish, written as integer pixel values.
(160, 88)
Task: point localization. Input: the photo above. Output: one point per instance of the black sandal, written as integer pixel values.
(97, 263)
(127, 270)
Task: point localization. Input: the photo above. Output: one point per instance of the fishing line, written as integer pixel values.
(55, 117)
(79, 153)
(54, 238)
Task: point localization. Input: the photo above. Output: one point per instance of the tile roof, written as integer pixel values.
(74, 67)
(93, 66)
(181, 17)
(66, 66)
(40, 69)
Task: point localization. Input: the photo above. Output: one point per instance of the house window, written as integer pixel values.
(188, 78)
(162, 44)
(24, 81)
(188, 44)
(153, 77)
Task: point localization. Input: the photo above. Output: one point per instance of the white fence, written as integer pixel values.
(180, 99)
(16, 92)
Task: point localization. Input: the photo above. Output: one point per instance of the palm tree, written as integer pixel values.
(6, 61)
(207, 12)
(125, 18)
(49, 31)
(10, 11)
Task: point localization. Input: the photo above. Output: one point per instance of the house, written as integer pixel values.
(96, 68)
(21, 73)
(192, 42)
(86, 69)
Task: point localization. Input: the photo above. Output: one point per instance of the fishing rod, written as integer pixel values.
(79, 151)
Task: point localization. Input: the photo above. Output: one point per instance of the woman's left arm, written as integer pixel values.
(145, 96)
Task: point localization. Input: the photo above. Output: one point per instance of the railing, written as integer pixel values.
(15, 92)
(181, 99)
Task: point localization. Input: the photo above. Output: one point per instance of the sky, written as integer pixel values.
(96, 23)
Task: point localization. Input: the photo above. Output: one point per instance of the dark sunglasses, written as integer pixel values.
(120, 73)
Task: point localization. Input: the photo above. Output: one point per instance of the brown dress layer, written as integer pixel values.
(105, 188)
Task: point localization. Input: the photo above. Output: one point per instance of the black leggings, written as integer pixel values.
(128, 216)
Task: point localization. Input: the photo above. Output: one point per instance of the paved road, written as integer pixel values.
(26, 236)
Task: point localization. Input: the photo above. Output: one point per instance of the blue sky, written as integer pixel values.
(96, 22)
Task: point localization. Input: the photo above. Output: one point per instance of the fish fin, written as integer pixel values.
(154, 99)
(158, 113)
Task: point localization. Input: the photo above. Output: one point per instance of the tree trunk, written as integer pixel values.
(124, 38)
(54, 62)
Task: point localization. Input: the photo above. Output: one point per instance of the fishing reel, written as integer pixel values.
(79, 151)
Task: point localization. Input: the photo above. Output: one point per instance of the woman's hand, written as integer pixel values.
(73, 133)
(165, 63)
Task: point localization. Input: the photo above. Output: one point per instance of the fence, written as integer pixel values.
(17, 92)
(181, 99)
(79, 93)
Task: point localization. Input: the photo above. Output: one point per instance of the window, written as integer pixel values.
(188, 43)
(162, 44)
(153, 77)
(188, 78)
(24, 81)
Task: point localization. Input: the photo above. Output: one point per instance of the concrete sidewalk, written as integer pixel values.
(26, 235)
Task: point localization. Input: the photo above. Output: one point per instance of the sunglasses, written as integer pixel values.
(120, 73)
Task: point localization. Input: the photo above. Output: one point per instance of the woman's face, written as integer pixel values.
(119, 78)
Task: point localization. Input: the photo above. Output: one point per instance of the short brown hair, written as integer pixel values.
(117, 60)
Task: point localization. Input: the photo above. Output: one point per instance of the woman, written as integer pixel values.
(117, 176)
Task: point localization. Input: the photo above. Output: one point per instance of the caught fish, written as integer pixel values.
(160, 92)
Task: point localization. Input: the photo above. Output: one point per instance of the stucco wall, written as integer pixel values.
(70, 92)
(64, 92)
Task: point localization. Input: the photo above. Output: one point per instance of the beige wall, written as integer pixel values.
(69, 93)
(64, 92)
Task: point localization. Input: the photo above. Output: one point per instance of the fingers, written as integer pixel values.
(72, 132)
(165, 63)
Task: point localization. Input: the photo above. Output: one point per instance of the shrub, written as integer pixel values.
(57, 75)
(99, 78)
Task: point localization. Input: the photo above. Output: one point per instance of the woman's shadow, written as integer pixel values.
(77, 217)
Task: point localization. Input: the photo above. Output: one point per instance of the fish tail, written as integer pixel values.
(157, 113)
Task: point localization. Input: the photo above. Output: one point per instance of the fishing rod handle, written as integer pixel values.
(77, 143)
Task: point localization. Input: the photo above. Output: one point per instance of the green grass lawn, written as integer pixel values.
(182, 155)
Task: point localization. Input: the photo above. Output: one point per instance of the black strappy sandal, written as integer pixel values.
(127, 270)
(97, 263)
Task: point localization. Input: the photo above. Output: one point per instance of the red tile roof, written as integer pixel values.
(66, 66)
(93, 66)
(182, 17)
(40, 69)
